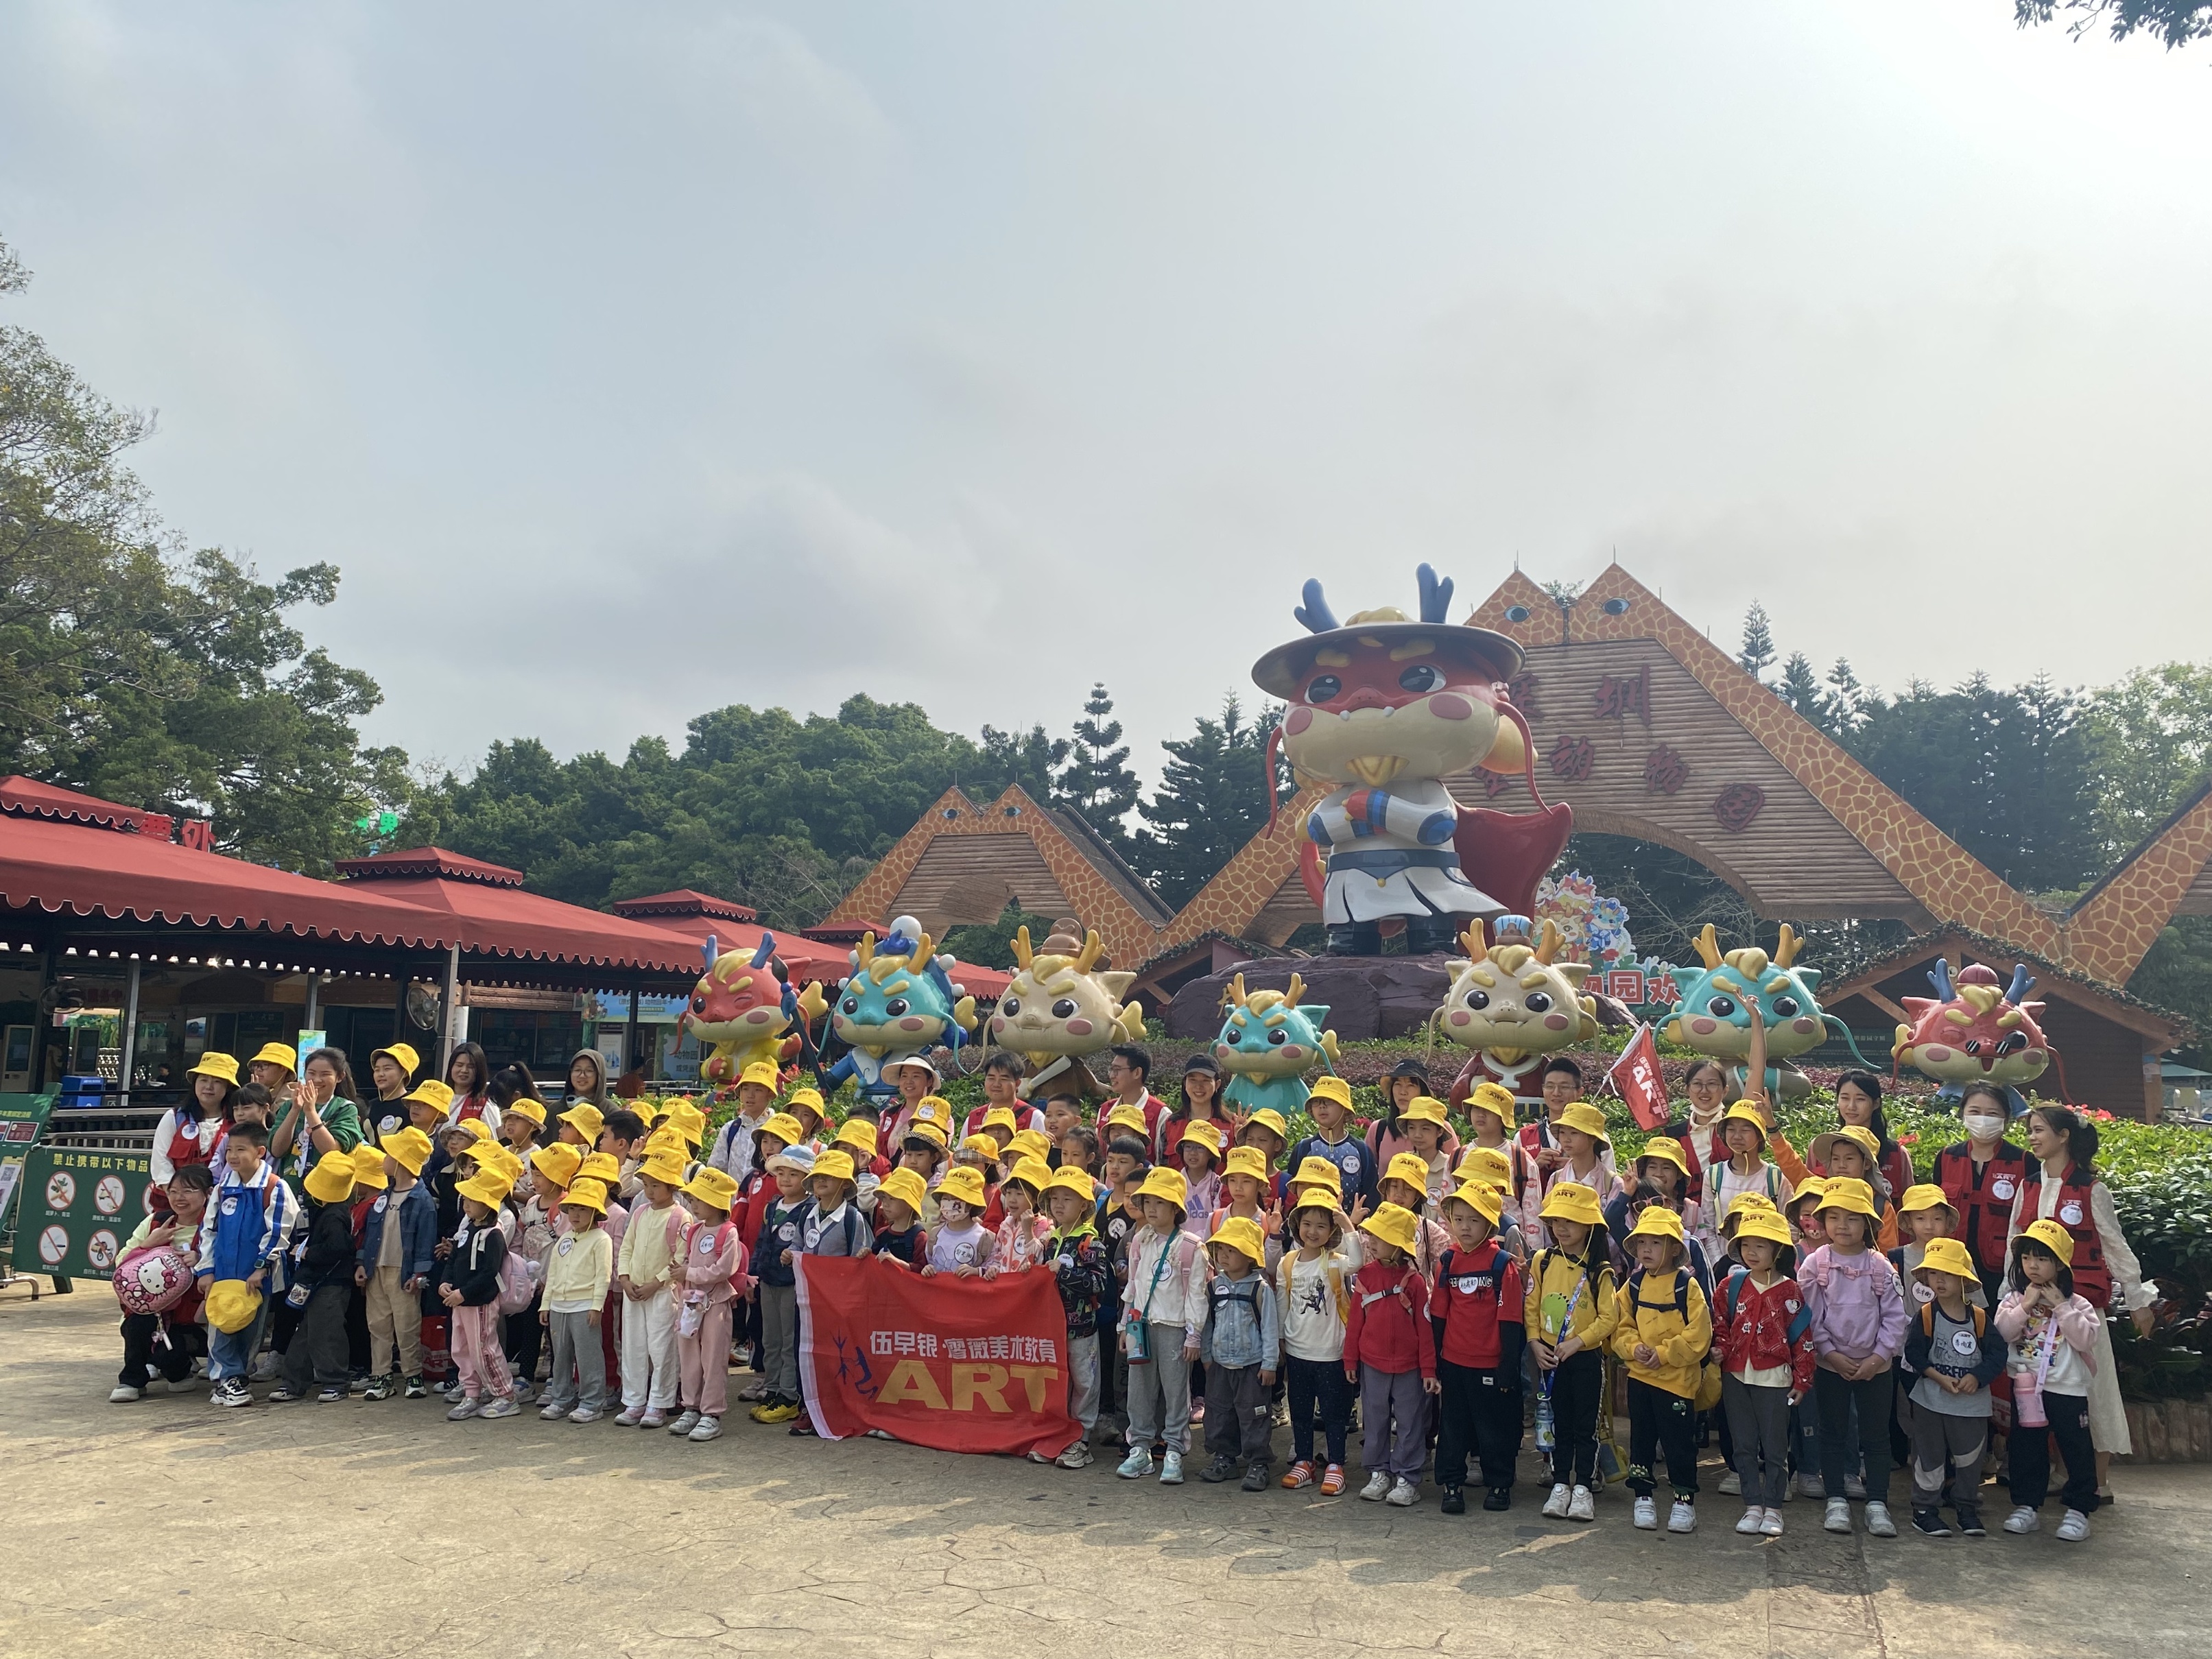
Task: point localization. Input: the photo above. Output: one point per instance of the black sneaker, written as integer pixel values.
(1499, 1497)
(1220, 1469)
(1255, 1477)
(330, 1397)
(1970, 1521)
(1929, 1524)
(283, 1394)
(1455, 1501)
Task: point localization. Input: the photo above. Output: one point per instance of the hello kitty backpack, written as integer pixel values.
(153, 1281)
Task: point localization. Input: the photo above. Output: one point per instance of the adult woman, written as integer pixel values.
(2061, 1184)
(587, 1080)
(1405, 1082)
(321, 1116)
(272, 1068)
(189, 1131)
(1202, 1103)
(390, 1072)
(468, 1074)
(1699, 1127)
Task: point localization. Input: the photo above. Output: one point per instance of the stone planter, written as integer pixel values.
(2170, 1431)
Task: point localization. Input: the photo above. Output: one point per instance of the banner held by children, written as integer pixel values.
(957, 1364)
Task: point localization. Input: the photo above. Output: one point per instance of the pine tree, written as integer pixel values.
(1212, 799)
(1098, 781)
(1758, 642)
(1028, 758)
(1801, 691)
(1850, 702)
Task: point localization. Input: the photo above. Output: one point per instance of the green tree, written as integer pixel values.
(2177, 22)
(134, 671)
(1801, 690)
(2150, 744)
(991, 943)
(1212, 799)
(1847, 702)
(1758, 642)
(1098, 781)
(1028, 758)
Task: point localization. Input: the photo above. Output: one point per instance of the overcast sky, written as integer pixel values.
(634, 361)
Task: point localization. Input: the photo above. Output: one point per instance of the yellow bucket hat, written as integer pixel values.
(905, 1186)
(924, 1129)
(231, 1305)
(1394, 1225)
(490, 1155)
(999, 1117)
(332, 1178)
(1581, 1115)
(837, 1166)
(1949, 1255)
(439, 1096)
(1486, 1163)
(1744, 1112)
(585, 1119)
(1067, 1179)
(1206, 1133)
(1657, 1221)
(1032, 1172)
(277, 1054)
(933, 1109)
(1319, 1172)
(762, 1071)
(1494, 1098)
(1411, 1170)
(1272, 1121)
(2053, 1239)
(1247, 1161)
(962, 1185)
(1858, 1134)
(1926, 1195)
(591, 1195)
(368, 1167)
(716, 1188)
(603, 1167)
(1331, 1088)
(1030, 1143)
(1845, 1193)
(1126, 1116)
(666, 1168)
(402, 1055)
(980, 1147)
(689, 1121)
(471, 1129)
(222, 1067)
(784, 1127)
(1425, 1108)
(1667, 1150)
(859, 1134)
(1767, 1224)
(410, 1148)
(558, 1163)
(1241, 1235)
(1569, 1201)
(1485, 1199)
(1169, 1184)
(811, 1100)
(1813, 1188)
(528, 1108)
(1742, 1204)
(486, 1186)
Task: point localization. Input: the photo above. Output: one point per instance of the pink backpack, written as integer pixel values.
(153, 1278)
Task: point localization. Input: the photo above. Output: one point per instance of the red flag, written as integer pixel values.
(1636, 1075)
(960, 1364)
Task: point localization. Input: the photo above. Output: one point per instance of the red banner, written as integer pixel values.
(960, 1364)
(1641, 1083)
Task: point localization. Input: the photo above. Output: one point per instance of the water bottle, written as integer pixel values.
(1546, 1438)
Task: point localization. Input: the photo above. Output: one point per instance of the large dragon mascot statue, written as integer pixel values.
(1711, 1015)
(1062, 1006)
(1269, 1042)
(744, 1006)
(1515, 1006)
(898, 1001)
(1974, 1030)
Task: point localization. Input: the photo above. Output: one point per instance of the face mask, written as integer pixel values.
(1983, 1126)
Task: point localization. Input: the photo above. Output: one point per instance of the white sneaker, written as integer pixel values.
(1555, 1506)
(1752, 1517)
(1647, 1514)
(2022, 1519)
(1811, 1485)
(1854, 1487)
(1878, 1522)
(1404, 1495)
(1377, 1487)
(2074, 1526)
(1839, 1519)
(1582, 1506)
(1683, 1517)
(122, 1394)
(1731, 1485)
(553, 1412)
(1771, 1525)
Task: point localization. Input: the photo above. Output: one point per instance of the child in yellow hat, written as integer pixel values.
(1858, 1330)
(468, 1285)
(1854, 1153)
(646, 1269)
(322, 1286)
(521, 1124)
(713, 1265)
(2052, 1330)
(1405, 1183)
(1480, 1313)
(1330, 1106)
(1664, 1332)
(959, 1244)
(1424, 1129)
(1242, 1345)
(1585, 1146)
(1762, 1335)
(1198, 1156)
(1245, 1194)
(1079, 1270)
(1164, 1315)
(831, 1225)
(1021, 1235)
(1390, 1349)
(1573, 1304)
(1311, 1280)
(573, 1308)
(398, 1256)
(1953, 1352)
(734, 1147)
(1747, 1170)
(1491, 1110)
(900, 1236)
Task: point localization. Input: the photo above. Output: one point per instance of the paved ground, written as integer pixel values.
(170, 1527)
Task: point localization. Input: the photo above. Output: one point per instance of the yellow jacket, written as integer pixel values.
(1593, 1314)
(1652, 1319)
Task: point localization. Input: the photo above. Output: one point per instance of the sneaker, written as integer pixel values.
(232, 1391)
(331, 1396)
(1377, 1487)
(157, 1385)
(1555, 1506)
(554, 1411)
(1255, 1477)
(1969, 1522)
(1220, 1469)
(1076, 1456)
(1332, 1480)
(2073, 1526)
(1582, 1504)
(523, 1393)
(465, 1410)
(455, 1394)
(1854, 1488)
(284, 1394)
(1455, 1501)
(1683, 1517)
(1499, 1497)
(1771, 1525)
(1647, 1514)
(1753, 1519)
(776, 1411)
(266, 1365)
(505, 1406)
(707, 1428)
(381, 1387)
(1812, 1486)
(753, 1393)
(1404, 1494)
(1298, 1476)
(1878, 1523)
(1929, 1524)
(628, 1416)
(583, 1414)
(654, 1417)
(417, 1388)
(801, 1428)
(2022, 1519)
(1731, 1485)
(684, 1424)
(1137, 1465)
(1838, 1517)
(1171, 1467)
(123, 1395)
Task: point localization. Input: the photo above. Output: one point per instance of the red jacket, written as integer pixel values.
(751, 1204)
(1477, 1292)
(1751, 1329)
(1387, 1327)
(1984, 1197)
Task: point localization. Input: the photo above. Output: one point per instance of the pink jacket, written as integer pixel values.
(703, 1266)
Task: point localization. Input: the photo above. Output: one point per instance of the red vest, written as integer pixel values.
(1983, 1197)
(2093, 1279)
